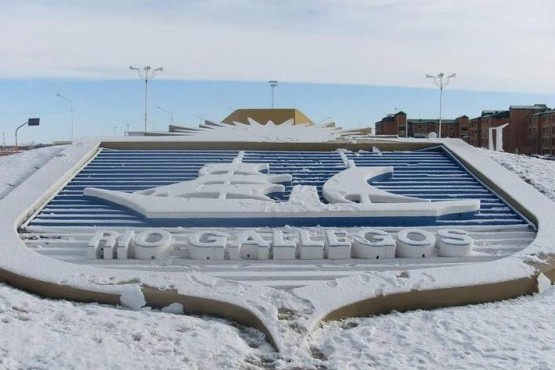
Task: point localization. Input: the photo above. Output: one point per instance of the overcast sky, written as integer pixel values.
(501, 45)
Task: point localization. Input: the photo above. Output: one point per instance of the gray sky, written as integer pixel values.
(491, 44)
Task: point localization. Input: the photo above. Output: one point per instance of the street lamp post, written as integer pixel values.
(168, 112)
(29, 122)
(71, 109)
(441, 81)
(273, 84)
(146, 74)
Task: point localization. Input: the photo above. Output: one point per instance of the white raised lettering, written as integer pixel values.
(338, 247)
(373, 243)
(282, 244)
(125, 242)
(206, 245)
(454, 243)
(102, 239)
(413, 243)
(310, 249)
(251, 245)
(152, 244)
(283, 248)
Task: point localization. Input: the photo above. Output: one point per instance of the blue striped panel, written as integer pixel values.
(436, 175)
(429, 174)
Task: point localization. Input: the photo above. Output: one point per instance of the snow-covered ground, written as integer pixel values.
(16, 168)
(539, 173)
(47, 334)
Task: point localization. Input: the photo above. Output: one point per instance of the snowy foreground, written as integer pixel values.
(46, 334)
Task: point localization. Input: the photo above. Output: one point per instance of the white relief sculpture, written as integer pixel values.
(225, 181)
(351, 185)
(240, 190)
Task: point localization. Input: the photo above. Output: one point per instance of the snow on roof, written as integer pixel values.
(535, 106)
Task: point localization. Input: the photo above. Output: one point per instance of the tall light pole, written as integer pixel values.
(71, 109)
(146, 74)
(273, 84)
(168, 112)
(441, 81)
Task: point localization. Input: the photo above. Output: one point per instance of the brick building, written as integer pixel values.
(531, 128)
(398, 124)
(392, 124)
(479, 126)
(522, 135)
(515, 136)
(541, 132)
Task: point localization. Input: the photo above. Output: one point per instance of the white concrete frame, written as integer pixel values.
(498, 147)
(256, 305)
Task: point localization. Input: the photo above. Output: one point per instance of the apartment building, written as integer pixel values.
(399, 124)
(541, 132)
(530, 130)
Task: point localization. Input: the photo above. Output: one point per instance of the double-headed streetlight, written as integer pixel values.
(71, 110)
(441, 81)
(273, 84)
(146, 74)
(168, 112)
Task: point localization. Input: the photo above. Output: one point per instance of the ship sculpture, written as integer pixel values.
(241, 190)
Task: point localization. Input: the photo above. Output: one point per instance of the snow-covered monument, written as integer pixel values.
(277, 225)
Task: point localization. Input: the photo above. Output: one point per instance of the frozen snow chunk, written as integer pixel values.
(543, 283)
(132, 297)
(176, 308)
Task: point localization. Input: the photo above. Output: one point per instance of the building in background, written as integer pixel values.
(398, 124)
(541, 132)
(488, 119)
(531, 128)
(515, 136)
